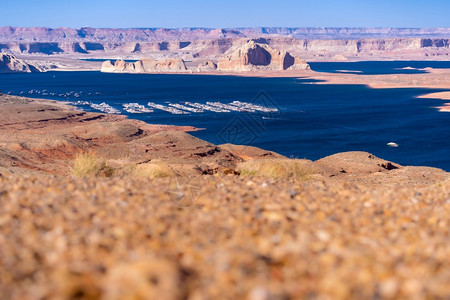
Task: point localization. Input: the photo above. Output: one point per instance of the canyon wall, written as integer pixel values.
(216, 47)
(88, 34)
(203, 44)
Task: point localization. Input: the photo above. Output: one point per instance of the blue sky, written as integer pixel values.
(220, 14)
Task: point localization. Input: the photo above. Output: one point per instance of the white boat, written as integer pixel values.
(136, 108)
(392, 144)
(254, 106)
(106, 108)
(229, 107)
(169, 109)
(187, 108)
(207, 107)
(80, 102)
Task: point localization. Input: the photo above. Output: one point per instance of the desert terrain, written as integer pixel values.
(68, 49)
(96, 206)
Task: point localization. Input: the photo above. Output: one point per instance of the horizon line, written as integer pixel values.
(245, 27)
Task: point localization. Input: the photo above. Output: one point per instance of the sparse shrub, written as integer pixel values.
(277, 168)
(152, 170)
(89, 165)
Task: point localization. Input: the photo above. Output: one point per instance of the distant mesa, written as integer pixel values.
(144, 66)
(257, 56)
(9, 63)
(340, 57)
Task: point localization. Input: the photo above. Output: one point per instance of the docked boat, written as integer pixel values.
(186, 108)
(105, 108)
(136, 108)
(207, 107)
(169, 109)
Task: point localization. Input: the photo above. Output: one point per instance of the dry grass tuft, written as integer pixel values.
(152, 170)
(277, 168)
(90, 165)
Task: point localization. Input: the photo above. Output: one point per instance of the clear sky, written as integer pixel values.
(222, 14)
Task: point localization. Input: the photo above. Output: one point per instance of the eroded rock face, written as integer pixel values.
(144, 66)
(207, 66)
(256, 56)
(9, 63)
(89, 34)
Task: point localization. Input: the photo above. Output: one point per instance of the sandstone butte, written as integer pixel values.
(144, 66)
(9, 63)
(257, 56)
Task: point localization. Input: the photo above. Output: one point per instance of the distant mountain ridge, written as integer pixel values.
(88, 34)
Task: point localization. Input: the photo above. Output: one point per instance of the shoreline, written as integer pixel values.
(432, 79)
(51, 128)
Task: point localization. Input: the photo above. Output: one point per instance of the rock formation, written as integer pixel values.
(310, 43)
(9, 63)
(115, 35)
(207, 66)
(144, 66)
(325, 49)
(256, 56)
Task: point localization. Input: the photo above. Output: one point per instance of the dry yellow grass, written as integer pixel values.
(152, 170)
(90, 165)
(277, 168)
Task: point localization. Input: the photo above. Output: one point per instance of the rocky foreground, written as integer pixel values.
(236, 238)
(351, 226)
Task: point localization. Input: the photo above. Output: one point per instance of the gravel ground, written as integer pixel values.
(228, 237)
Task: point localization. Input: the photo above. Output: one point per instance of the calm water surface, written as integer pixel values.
(313, 120)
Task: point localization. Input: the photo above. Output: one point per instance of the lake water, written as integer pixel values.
(313, 121)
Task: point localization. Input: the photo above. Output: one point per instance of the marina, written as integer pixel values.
(179, 109)
(136, 108)
(106, 108)
(253, 107)
(187, 108)
(207, 107)
(169, 109)
(229, 107)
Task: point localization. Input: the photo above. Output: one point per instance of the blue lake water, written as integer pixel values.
(313, 120)
(379, 67)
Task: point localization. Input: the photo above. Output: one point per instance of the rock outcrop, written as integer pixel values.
(9, 63)
(257, 56)
(145, 66)
(207, 66)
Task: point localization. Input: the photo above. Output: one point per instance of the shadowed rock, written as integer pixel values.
(9, 63)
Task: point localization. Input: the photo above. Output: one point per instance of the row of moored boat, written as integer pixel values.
(182, 109)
